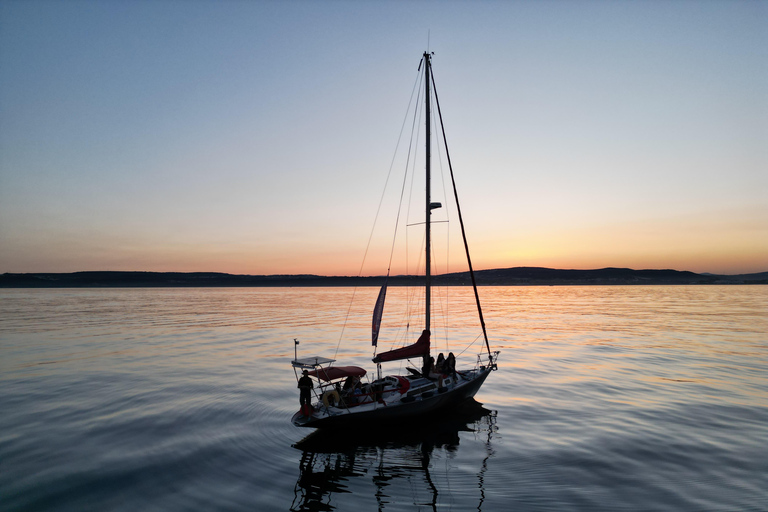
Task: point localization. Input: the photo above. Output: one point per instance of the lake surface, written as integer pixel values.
(606, 398)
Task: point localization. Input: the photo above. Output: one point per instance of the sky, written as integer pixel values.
(255, 137)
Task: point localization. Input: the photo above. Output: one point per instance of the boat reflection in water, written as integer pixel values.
(394, 465)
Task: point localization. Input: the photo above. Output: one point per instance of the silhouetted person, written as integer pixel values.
(305, 393)
(450, 364)
(429, 367)
(439, 365)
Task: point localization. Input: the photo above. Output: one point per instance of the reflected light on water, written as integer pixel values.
(653, 398)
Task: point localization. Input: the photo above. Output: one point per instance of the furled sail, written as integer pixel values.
(418, 349)
(378, 310)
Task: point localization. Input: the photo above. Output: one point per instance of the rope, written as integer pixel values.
(378, 210)
(461, 220)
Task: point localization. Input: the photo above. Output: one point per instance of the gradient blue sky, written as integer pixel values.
(255, 137)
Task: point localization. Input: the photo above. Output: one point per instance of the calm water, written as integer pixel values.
(607, 398)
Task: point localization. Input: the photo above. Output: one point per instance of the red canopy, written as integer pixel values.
(337, 372)
(420, 348)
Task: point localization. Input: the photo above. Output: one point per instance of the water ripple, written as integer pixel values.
(625, 398)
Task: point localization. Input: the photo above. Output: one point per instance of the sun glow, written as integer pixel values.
(220, 152)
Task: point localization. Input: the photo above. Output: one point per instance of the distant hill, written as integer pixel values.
(603, 276)
(518, 276)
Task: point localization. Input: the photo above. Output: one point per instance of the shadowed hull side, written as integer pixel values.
(387, 413)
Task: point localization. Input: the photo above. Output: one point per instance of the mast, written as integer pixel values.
(428, 290)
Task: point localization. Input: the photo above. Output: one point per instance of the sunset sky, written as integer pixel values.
(255, 137)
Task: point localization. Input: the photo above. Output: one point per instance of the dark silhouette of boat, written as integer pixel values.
(342, 400)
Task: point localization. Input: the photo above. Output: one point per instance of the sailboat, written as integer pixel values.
(342, 400)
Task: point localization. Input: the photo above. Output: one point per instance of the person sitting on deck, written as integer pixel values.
(434, 373)
(440, 364)
(357, 393)
(429, 367)
(349, 383)
(450, 364)
(426, 365)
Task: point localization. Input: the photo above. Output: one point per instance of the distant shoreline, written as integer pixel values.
(518, 276)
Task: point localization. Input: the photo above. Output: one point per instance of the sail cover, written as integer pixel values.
(378, 310)
(420, 348)
(337, 372)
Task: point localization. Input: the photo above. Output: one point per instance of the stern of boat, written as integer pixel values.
(301, 420)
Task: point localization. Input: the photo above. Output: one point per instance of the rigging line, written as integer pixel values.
(391, 165)
(442, 172)
(378, 209)
(415, 132)
(447, 209)
(446, 206)
(468, 346)
(414, 299)
(413, 143)
(440, 303)
(405, 180)
(461, 220)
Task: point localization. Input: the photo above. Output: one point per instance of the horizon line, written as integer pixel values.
(298, 274)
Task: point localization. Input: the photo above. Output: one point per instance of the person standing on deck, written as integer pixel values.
(305, 392)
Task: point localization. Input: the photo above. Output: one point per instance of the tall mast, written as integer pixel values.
(428, 293)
